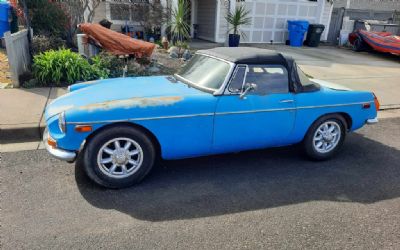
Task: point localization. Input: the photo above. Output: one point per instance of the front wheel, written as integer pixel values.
(325, 137)
(118, 157)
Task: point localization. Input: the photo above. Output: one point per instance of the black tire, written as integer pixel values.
(95, 144)
(359, 45)
(308, 142)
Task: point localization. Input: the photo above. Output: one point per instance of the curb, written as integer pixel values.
(21, 133)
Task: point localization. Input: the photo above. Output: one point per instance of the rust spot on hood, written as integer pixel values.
(142, 102)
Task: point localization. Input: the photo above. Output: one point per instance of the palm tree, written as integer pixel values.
(179, 27)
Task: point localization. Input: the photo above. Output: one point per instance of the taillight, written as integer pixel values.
(376, 101)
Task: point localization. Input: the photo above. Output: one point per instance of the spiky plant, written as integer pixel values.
(179, 27)
(240, 16)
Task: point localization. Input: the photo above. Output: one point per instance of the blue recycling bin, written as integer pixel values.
(4, 27)
(297, 29)
(4, 12)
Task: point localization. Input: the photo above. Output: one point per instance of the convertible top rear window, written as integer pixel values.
(304, 80)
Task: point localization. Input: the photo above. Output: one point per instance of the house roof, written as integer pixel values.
(245, 55)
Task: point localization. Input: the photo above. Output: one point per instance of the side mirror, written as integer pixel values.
(247, 88)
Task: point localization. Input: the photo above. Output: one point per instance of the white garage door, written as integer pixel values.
(269, 18)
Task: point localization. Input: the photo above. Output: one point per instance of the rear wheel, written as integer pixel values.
(118, 157)
(325, 137)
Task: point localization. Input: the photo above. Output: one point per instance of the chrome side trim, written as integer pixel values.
(219, 113)
(372, 121)
(283, 109)
(253, 111)
(333, 105)
(142, 119)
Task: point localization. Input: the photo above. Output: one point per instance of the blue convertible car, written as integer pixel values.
(223, 100)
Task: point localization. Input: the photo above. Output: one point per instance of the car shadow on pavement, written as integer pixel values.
(365, 171)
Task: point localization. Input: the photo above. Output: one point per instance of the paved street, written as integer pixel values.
(261, 199)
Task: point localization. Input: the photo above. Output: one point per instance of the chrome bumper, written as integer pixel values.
(372, 121)
(61, 154)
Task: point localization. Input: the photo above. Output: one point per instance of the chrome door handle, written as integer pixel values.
(286, 101)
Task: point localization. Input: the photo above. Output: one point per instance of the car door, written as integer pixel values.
(263, 117)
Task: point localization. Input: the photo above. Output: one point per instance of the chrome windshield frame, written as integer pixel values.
(221, 89)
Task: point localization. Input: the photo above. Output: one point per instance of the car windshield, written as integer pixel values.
(205, 72)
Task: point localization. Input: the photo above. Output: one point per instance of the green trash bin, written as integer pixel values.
(314, 34)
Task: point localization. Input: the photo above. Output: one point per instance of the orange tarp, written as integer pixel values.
(117, 43)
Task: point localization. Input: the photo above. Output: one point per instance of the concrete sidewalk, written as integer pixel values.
(22, 111)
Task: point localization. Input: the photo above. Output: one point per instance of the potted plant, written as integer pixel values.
(240, 16)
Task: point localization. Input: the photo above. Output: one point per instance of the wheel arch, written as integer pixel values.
(146, 131)
(348, 121)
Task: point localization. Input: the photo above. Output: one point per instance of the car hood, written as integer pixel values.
(123, 93)
(330, 85)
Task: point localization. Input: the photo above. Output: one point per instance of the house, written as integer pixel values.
(207, 17)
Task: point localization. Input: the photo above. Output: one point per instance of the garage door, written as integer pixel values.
(269, 18)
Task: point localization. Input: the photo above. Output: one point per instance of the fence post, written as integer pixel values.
(11, 58)
(19, 58)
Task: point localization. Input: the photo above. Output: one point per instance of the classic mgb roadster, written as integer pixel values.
(223, 100)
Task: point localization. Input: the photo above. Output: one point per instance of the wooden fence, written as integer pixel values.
(19, 58)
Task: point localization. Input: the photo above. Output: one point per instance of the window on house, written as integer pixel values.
(138, 12)
(119, 12)
(128, 12)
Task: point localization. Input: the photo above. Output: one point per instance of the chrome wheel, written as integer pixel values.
(120, 157)
(327, 137)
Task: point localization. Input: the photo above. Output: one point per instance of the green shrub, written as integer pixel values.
(43, 43)
(115, 65)
(65, 66)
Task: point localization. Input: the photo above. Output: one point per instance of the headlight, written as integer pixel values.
(61, 122)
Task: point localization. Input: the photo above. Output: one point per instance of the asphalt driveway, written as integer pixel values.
(261, 199)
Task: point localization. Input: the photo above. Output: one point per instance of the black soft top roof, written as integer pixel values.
(246, 55)
(250, 55)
